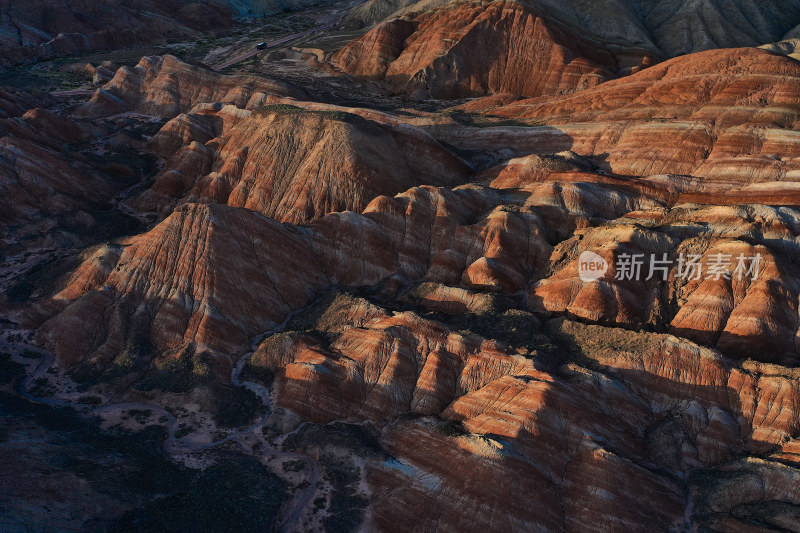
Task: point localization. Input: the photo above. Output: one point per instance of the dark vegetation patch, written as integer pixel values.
(42, 280)
(257, 373)
(347, 505)
(42, 388)
(358, 440)
(142, 163)
(513, 327)
(339, 116)
(278, 108)
(451, 428)
(179, 370)
(112, 223)
(479, 120)
(236, 406)
(90, 400)
(327, 313)
(582, 340)
(49, 77)
(183, 369)
(119, 463)
(52, 74)
(236, 494)
(10, 370)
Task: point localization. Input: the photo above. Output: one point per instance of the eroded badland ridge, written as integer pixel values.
(407, 266)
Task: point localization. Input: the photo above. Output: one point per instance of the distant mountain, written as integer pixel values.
(249, 8)
(47, 28)
(673, 27)
(465, 49)
(535, 48)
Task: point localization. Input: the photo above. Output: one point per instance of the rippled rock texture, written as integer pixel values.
(535, 48)
(473, 49)
(419, 273)
(294, 164)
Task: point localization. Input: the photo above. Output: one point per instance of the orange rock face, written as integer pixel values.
(733, 83)
(474, 49)
(424, 244)
(622, 425)
(734, 135)
(296, 165)
(388, 366)
(421, 274)
(182, 300)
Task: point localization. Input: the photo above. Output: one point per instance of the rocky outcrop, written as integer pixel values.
(187, 299)
(681, 28)
(517, 236)
(519, 232)
(407, 238)
(546, 47)
(15, 104)
(165, 87)
(748, 86)
(36, 178)
(420, 276)
(668, 28)
(626, 417)
(471, 237)
(388, 366)
(732, 133)
(294, 164)
(373, 12)
(466, 50)
(728, 306)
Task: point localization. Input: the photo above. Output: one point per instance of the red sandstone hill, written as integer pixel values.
(666, 27)
(473, 237)
(725, 117)
(294, 164)
(506, 392)
(726, 87)
(620, 427)
(467, 49)
(626, 417)
(542, 47)
(518, 233)
(40, 183)
(166, 86)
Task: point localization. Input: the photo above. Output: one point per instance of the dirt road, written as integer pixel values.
(275, 44)
(74, 92)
